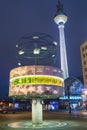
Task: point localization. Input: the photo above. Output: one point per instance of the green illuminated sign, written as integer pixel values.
(37, 79)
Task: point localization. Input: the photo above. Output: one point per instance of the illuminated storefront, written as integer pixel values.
(73, 93)
(84, 97)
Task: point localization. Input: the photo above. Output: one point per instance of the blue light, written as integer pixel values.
(71, 97)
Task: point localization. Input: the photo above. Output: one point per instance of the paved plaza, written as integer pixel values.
(51, 121)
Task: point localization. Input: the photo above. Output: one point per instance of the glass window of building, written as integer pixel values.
(84, 55)
(86, 76)
(84, 62)
(85, 69)
(85, 47)
(82, 49)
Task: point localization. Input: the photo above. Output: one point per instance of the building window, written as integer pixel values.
(84, 55)
(85, 47)
(85, 69)
(82, 49)
(84, 62)
(86, 76)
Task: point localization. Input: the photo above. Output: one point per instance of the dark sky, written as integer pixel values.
(19, 17)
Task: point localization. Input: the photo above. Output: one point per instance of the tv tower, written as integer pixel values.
(60, 19)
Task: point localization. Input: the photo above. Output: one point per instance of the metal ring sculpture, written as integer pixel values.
(36, 46)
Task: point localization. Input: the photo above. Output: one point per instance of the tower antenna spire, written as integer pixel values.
(59, 1)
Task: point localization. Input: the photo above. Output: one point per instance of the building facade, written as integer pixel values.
(83, 51)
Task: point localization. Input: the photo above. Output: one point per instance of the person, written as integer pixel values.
(86, 106)
(69, 108)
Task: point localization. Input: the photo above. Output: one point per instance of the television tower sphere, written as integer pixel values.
(60, 18)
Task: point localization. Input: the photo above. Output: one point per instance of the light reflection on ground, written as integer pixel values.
(46, 124)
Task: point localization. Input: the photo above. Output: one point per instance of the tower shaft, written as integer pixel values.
(63, 55)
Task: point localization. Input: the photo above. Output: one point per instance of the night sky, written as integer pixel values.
(19, 17)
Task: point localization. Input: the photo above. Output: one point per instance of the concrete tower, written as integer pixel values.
(60, 19)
